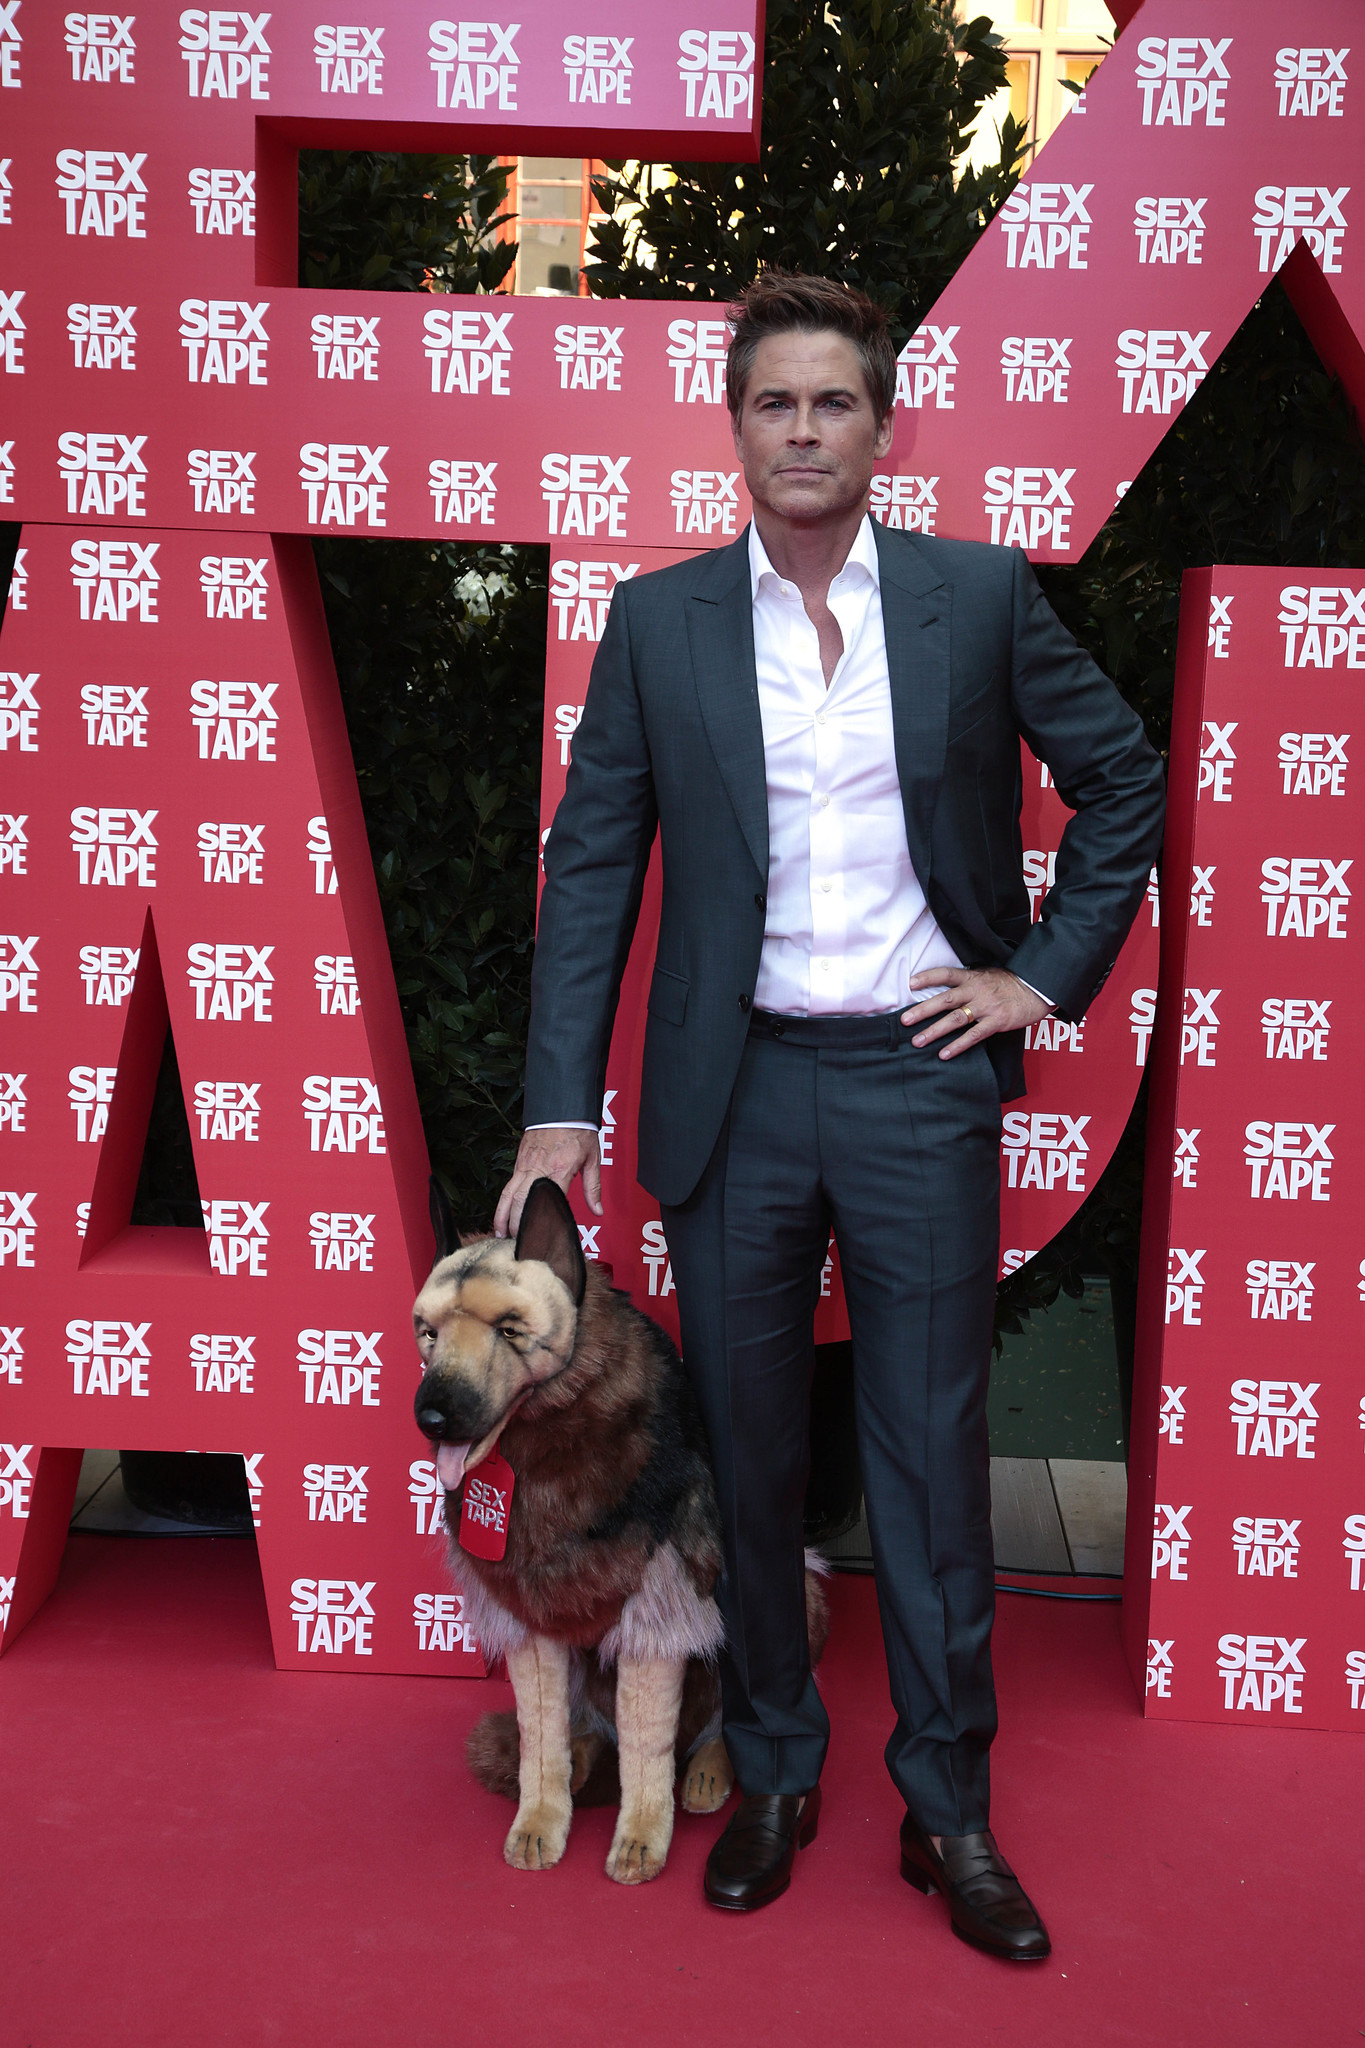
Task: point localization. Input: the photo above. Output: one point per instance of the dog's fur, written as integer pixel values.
(603, 1604)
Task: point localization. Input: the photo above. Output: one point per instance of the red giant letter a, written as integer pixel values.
(183, 841)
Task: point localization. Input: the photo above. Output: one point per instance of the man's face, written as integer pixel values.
(807, 432)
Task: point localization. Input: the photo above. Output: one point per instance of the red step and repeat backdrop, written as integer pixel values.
(1246, 1554)
(163, 367)
(181, 836)
(183, 842)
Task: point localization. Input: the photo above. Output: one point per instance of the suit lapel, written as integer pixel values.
(720, 632)
(917, 618)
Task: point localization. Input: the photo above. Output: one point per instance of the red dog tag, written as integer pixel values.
(487, 1506)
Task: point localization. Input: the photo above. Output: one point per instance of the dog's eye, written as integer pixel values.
(508, 1327)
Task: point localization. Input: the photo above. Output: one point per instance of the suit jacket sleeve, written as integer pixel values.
(1105, 770)
(595, 863)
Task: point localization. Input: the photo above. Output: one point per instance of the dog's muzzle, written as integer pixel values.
(452, 1423)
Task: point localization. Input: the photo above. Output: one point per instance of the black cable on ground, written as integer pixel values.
(856, 1568)
(1046, 1593)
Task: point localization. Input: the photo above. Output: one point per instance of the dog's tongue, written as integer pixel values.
(450, 1464)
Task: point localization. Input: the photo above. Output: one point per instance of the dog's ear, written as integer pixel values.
(548, 1232)
(442, 1221)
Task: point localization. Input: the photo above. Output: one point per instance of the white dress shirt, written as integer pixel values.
(847, 923)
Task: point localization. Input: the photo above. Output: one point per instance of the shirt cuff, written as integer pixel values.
(589, 1127)
(1034, 991)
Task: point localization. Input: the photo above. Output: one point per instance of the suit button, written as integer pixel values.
(744, 1002)
(760, 903)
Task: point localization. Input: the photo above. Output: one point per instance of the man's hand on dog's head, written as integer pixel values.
(556, 1153)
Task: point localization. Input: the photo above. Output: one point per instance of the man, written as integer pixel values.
(823, 722)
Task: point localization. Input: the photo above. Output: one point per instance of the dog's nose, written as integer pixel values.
(447, 1412)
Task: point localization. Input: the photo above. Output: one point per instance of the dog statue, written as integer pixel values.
(603, 1604)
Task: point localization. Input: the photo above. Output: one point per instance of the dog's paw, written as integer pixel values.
(639, 1848)
(708, 1779)
(537, 1838)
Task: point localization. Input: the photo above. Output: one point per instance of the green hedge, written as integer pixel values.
(441, 655)
(440, 650)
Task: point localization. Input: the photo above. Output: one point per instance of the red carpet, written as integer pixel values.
(198, 1849)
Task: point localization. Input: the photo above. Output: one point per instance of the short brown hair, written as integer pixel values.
(789, 302)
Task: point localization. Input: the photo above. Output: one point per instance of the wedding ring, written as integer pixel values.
(966, 1011)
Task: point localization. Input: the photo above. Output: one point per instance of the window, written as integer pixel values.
(552, 199)
(1049, 44)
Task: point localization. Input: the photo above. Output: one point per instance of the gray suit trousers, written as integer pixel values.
(898, 1150)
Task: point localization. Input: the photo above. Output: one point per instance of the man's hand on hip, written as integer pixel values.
(976, 1003)
(550, 1153)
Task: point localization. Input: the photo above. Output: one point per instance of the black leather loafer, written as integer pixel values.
(989, 1906)
(751, 1863)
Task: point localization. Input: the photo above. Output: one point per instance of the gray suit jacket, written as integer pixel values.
(671, 740)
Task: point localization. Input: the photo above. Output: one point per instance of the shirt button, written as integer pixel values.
(823, 966)
(821, 717)
(823, 801)
(826, 887)
(744, 1002)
